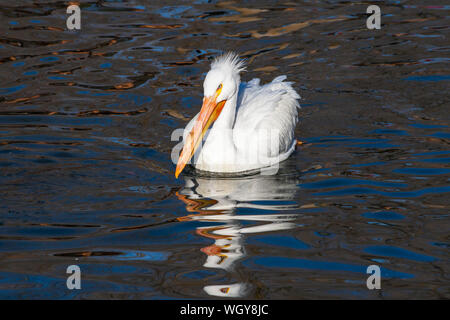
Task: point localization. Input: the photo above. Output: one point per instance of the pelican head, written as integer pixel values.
(220, 85)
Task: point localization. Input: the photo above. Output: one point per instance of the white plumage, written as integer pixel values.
(254, 128)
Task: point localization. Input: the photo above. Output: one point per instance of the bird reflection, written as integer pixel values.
(242, 205)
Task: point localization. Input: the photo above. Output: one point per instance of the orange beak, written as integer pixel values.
(208, 114)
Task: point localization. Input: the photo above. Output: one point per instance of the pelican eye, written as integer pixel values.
(219, 88)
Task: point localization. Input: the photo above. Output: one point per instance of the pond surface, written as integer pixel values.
(86, 175)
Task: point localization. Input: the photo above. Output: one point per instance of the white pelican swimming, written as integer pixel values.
(253, 124)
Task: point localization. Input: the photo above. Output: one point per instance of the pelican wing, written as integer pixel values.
(272, 106)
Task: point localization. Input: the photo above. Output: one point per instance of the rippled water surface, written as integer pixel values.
(86, 176)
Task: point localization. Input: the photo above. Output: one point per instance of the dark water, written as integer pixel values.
(86, 119)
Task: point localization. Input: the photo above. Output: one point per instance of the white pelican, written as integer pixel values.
(253, 124)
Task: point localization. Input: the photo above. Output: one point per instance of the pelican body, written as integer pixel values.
(252, 125)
